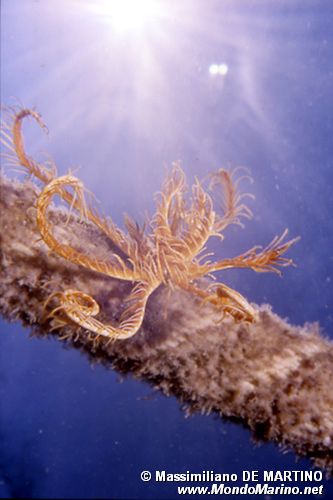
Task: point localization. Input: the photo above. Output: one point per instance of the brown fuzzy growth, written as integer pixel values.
(273, 376)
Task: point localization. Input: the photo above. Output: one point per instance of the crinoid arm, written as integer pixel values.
(81, 309)
(226, 300)
(229, 198)
(115, 267)
(167, 221)
(199, 219)
(260, 260)
(12, 139)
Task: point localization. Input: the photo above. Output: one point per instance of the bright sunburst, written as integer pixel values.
(130, 15)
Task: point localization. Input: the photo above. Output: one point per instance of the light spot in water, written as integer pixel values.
(218, 69)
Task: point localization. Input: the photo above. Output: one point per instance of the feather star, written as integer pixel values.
(169, 250)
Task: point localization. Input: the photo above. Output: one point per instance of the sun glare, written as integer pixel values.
(130, 15)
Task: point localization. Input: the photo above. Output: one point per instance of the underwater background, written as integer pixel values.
(212, 84)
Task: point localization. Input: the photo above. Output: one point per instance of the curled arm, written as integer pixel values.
(82, 310)
(116, 269)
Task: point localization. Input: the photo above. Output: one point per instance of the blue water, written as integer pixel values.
(121, 104)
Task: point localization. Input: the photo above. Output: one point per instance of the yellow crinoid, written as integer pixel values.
(169, 250)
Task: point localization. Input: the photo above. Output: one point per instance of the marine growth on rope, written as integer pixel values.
(168, 250)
